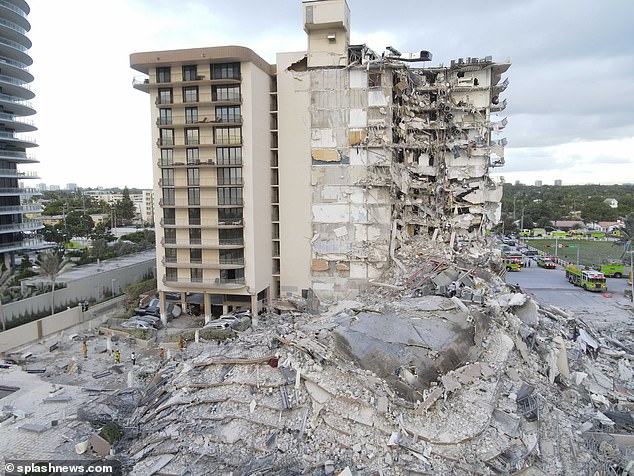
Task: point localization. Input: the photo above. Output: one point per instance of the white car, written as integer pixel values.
(134, 324)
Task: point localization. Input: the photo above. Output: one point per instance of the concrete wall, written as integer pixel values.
(294, 175)
(67, 319)
(256, 151)
(96, 287)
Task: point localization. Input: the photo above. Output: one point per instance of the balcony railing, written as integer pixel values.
(218, 283)
(13, 8)
(164, 142)
(11, 117)
(18, 173)
(8, 135)
(24, 244)
(236, 261)
(16, 82)
(27, 225)
(20, 209)
(13, 44)
(19, 191)
(13, 26)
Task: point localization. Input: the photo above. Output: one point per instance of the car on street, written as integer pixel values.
(134, 324)
(546, 263)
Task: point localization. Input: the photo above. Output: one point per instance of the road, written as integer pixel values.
(549, 286)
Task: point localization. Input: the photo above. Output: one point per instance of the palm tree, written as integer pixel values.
(50, 265)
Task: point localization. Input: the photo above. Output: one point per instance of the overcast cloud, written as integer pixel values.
(570, 99)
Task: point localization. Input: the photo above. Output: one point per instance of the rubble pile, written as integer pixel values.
(530, 388)
(441, 369)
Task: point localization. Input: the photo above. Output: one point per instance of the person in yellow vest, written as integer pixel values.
(117, 356)
(84, 348)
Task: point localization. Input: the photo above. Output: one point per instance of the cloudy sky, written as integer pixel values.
(571, 93)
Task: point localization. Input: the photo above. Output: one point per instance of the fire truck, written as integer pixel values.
(588, 279)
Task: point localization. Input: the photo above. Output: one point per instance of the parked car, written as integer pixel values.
(530, 252)
(152, 320)
(134, 324)
(218, 324)
(154, 309)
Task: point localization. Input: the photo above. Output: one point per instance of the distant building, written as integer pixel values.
(54, 188)
(611, 202)
(41, 187)
(557, 183)
(143, 202)
(538, 183)
(71, 187)
(517, 182)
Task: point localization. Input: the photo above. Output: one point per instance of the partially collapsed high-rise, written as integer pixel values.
(345, 154)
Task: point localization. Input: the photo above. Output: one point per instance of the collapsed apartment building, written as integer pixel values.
(354, 153)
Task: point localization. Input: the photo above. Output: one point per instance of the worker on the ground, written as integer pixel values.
(181, 342)
(84, 348)
(161, 353)
(452, 289)
(133, 358)
(117, 356)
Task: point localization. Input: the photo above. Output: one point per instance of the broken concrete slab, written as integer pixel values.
(99, 445)
(506, 423)
(33, 427)
(58, 399)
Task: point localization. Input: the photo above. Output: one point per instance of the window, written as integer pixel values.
(194, 216)
(189, 72)
(170, 236)
(191, 115)
(196, 275)
(165, 117)
(229, 196)
(194, 236)
(229, 155)
(163, 75)
(165, 96)
(171, 274)
(192, 136)
(193, 196)
(232, 275)
(167, 137)
(230, 216)
(167, 156)
(225, 71)
(230, 176)
(196, 256)
(190, 94)
(193, 177)
(231, 256)
(225, 93)
(167, 177)
(168, 196)
(374, 80)
(193, 156)
(228, 113)
(170, 255)
(227, 135)
(169, 216)
(230, 237)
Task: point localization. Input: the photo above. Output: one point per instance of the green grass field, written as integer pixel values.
(590, 252)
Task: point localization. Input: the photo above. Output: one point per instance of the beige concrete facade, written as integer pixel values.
(210, 111)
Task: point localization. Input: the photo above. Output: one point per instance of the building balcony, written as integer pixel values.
(20, 209)
(16, 87)
(207, 245)
(22, 141)
(184, 185)
(13, 49)
(498, 88)
(202, 102)
(142, 83)
(201, 204)
(16, 105)
(218, 283)
(30, 243)
(497, 106)
(24, 192)
(18, 157)
(17, 123)
(181, 121)
(26, 225)
(13, 173)
(206, 225)
(237, 264)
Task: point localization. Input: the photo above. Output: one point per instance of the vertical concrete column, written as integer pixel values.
(254, 310)
(184, 302)
(162, 307)
(207, 305)
(225, 309)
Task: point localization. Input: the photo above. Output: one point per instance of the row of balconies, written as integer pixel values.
(205, 244)
(235, 263)
(21, 174)
(29, 243)
(217, 283)
(171, 142)
(173, 223)
(26, 225)
(183, 121)
(20, 209)
(185, 185)
(18, 191)
(204, 101)
(200, 204)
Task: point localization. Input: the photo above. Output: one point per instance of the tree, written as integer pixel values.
(125, 208)
(50, 264)
(79, 224)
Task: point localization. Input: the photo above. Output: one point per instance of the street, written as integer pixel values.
(550, 287)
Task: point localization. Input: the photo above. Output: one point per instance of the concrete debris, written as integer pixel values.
(394, 383)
